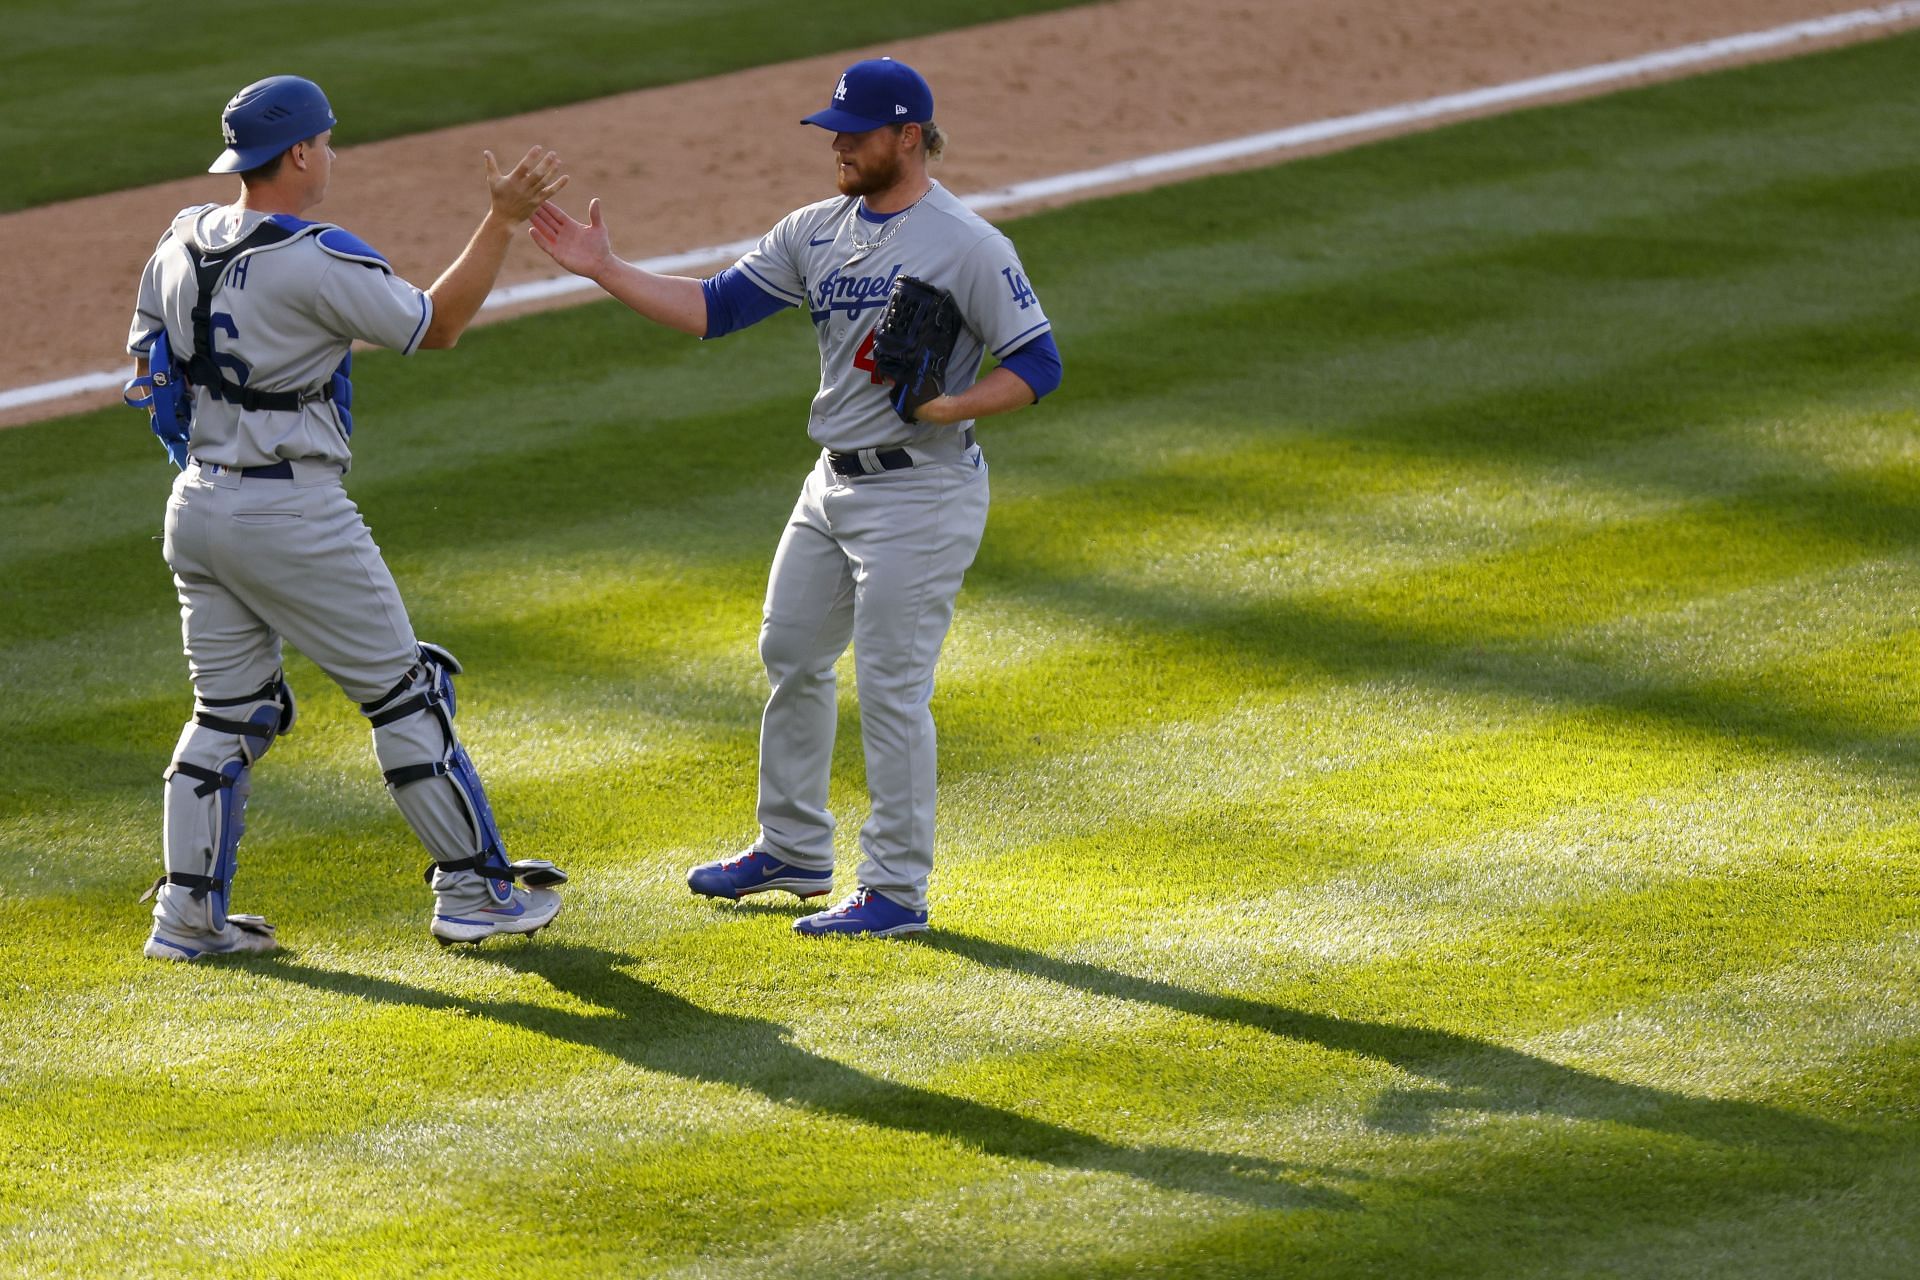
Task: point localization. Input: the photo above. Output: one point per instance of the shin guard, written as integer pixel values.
(208, 784)
(434, 783)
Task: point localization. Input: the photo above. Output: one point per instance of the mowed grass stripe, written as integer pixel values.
(327, 764)
(608, 640)
(1711, 546)
(1796, 983)
(567, 767)
(1369, 787)
(1406, 870)
(1163, 354)
(1590, 1096)
(1390, 874)
(690, 1167)
(1559, 813)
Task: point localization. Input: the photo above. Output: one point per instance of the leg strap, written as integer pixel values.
(259, 725)
(398, 711)
(209, 780)
(243, 728)
(535, 873)
(201, 885)
(416, 773)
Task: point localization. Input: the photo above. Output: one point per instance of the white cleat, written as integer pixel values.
(462, 918)
(243, 935)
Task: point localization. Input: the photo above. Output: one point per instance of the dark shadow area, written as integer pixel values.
(778, 905)
(1471, 1075)
(654, 1029)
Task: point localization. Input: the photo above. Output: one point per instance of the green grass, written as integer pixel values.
(1428, 770)
(114, 93)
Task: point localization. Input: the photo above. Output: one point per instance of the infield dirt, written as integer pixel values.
(719, 160)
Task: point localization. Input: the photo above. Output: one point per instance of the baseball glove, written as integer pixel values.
(913, 342)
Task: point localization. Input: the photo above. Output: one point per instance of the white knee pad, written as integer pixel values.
(434, 784)
(208, 784)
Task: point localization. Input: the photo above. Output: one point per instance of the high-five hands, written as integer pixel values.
(530, 184)
(583, 248)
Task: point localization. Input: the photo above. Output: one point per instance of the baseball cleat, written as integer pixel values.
(527, 911)
(243, 935)
(756, 871)
(863, 912)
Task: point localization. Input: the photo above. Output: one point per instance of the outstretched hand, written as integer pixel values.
(531, 184)
(583, 248)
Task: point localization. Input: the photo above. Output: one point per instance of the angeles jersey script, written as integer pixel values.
(817, 258)
(284, 316)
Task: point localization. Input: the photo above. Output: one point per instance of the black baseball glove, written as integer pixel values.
(913, 342)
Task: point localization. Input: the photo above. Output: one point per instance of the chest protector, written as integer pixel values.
(170, 383)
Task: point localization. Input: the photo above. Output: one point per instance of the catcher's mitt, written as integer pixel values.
(913, 342)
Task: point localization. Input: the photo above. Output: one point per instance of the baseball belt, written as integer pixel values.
(869, 462)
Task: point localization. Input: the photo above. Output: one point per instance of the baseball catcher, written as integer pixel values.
(242, 336)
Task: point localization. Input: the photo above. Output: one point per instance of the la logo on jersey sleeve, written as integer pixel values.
(1022, 291)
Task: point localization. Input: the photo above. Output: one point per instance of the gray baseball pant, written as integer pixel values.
(876, 561)
(255, 560)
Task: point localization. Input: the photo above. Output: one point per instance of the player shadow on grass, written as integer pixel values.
(642, 1024)
(1471, 1075)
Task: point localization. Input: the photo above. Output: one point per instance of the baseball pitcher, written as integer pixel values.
(908, 290)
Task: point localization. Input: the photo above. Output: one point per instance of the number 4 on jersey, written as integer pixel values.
(863, 359)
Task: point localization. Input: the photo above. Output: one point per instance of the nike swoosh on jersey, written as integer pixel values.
(829, 240)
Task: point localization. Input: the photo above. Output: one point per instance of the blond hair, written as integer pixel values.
(932, 136)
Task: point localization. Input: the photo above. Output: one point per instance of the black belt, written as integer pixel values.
(851, 463)
(281, 470)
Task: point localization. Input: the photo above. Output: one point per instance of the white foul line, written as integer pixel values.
(1288, 139)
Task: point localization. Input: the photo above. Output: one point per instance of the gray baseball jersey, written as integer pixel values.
(284, 317)
(832, 260)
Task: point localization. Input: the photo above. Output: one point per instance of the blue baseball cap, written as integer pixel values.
(873, 93)
(266, 118)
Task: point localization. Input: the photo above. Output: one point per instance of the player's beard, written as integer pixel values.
(869, 177)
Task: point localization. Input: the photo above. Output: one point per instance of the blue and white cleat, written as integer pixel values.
(756, 871)
(249, 935)
(863, 912)
(472, 917)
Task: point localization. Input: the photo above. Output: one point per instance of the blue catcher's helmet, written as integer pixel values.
(266, 118)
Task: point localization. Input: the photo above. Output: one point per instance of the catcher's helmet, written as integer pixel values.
(266, 118)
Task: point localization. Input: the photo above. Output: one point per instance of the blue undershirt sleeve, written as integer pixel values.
(1037, 363)
(734, 301)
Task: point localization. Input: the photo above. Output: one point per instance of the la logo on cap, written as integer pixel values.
(872, 93)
